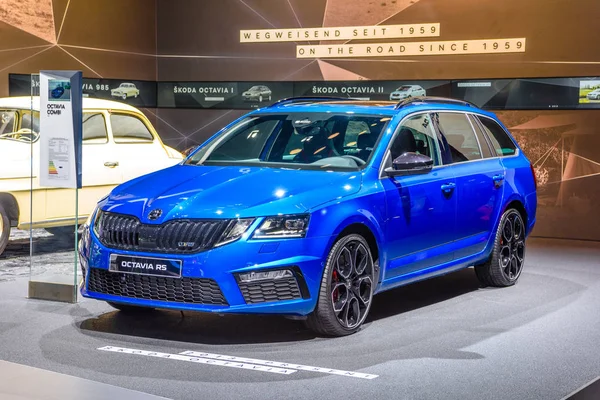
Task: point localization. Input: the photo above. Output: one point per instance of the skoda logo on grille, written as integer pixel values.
(155, 214)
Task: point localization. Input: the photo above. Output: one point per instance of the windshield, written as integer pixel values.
(323, 141)
(404, 88)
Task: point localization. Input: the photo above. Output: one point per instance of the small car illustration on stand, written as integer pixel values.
(406, 91)
(594, 95)
(125, 90)
(257, 93)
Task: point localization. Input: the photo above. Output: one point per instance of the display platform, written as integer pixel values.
(20, 382)
(440, 339)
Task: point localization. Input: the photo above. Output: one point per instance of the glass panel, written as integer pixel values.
(94, 128)
(129, 129)
(461, 138)
(416, 135)
(304, 140)
(501, 142)
(48, 217)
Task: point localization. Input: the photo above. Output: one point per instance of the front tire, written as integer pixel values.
(128, 309)
(124, 97)
(346, 288)
(505, 264)
(260, 99)
(4, 229)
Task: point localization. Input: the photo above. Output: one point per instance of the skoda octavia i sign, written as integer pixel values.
(310, 207)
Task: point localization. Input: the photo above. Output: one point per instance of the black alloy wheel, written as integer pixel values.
(346, 288)
(508, 255)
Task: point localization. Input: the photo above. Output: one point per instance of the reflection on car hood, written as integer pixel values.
(186, 191)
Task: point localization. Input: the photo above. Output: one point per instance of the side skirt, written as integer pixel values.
(431, 272)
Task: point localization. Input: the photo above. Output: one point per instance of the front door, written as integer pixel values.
(421, 209)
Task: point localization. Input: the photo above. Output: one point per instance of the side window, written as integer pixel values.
(94, 128)
(416, 135)
(247, 144)
(501, 142)
(30, 122)
(8, 119)
(460, 136)
(129, 129)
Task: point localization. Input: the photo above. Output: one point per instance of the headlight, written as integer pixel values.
(96, 217)
(235, 229)
(288, 226)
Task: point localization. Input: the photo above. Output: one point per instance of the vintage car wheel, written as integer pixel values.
(346, 288)
(124, 97)
(128, 309)
(260, 99)
(505, 264)
(4, 229)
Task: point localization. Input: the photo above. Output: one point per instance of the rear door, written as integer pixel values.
(479, 181)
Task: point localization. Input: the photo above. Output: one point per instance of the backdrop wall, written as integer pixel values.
(191, 40)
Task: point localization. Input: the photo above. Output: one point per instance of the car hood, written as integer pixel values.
(186, 191)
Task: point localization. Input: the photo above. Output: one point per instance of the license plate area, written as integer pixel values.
(145, 266)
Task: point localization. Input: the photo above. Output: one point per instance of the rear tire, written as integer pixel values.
(128, 309)
(346, 289)
(4, 229)
(505, 264)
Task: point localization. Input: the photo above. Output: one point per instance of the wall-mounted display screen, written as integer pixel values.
(373, 90)
(223, 95)
(518, 94)
(589, 92)
(133, 92)
(493, 94)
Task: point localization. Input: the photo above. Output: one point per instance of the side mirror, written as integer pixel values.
(410, 164)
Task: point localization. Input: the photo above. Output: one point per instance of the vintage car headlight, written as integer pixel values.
(235, 229)
(287, 226)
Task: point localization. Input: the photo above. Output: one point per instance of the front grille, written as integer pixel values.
(178, 290)
(270, 290)
(126, 232)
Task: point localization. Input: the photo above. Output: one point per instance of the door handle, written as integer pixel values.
(498, 180)
(448, 188)
(111, 164)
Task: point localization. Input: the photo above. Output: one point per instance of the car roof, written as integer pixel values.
(373, 107)
(26, 103)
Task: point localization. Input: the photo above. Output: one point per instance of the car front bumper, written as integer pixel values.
(304, 257)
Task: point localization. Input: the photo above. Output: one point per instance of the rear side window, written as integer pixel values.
(94, 128)
(501, 142)
(460, 136)
(129, 129)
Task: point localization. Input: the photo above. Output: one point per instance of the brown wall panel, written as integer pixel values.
(189, 40)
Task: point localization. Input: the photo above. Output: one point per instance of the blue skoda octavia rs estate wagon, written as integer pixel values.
(309, 207)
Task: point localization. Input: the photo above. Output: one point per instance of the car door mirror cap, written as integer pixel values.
(410, 163)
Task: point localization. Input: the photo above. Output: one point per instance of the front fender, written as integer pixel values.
(330, 220)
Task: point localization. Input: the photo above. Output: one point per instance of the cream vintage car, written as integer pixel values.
(125, 90)
(119, 143)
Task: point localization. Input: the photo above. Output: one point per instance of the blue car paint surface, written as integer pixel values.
(419, 231)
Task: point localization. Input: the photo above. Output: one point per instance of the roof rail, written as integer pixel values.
(430, 99)
(309, 99)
